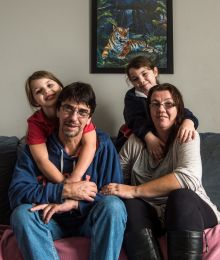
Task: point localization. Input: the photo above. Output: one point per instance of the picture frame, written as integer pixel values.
(123, 29)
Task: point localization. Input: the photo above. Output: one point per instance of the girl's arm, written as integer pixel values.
(86, 156)
(49, 170)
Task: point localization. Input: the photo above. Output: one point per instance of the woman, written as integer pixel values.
(143, 75)
(165, 195)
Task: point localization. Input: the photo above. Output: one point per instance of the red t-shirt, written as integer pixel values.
(40, 127)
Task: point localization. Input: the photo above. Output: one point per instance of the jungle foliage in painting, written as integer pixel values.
(127, 28)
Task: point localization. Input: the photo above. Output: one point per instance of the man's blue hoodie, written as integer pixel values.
(28, 185)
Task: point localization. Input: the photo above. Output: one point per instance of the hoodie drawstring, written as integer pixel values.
(61, 162)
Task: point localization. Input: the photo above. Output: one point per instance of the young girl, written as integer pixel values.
(142, 74)
(42, 89)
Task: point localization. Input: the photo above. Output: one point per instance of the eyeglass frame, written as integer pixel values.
(166, 104)
(70, 110)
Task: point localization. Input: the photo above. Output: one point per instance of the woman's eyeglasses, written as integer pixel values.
(167, 105)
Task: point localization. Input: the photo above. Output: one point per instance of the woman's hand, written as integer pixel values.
(50, 209)
(154, 146)
(120, 190)
(186, 131)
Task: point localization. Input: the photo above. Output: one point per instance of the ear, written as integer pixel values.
(58, 113)
(89, 121)
(156, 73)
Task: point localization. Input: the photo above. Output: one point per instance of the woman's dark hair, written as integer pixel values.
(138, 62)
(178, 100)
(79, 92)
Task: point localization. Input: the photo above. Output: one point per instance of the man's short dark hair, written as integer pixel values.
(79, 92)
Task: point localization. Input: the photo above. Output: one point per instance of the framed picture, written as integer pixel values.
(123, 29)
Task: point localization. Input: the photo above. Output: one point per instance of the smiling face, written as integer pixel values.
(143, 78)
(73, 117)
(45, 92)
(163, 110)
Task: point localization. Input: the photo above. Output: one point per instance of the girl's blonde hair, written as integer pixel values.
(38, 75)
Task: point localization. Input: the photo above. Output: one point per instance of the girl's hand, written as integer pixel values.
(120, 190)
(186, 131)
(154, 146)
(50, 209)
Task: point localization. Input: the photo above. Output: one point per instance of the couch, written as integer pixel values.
(78, 247)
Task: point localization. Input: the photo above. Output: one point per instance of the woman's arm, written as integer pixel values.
(187, 173)
(156, 188)
(188, 169)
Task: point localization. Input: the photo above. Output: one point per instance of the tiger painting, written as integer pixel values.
(119, 44)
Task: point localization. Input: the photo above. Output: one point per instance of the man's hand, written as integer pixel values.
(120, 190)
(82, 190)
(50, 209)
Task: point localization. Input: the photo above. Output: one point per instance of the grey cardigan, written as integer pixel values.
(183, 159)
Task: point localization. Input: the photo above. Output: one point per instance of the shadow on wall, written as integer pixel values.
(104, 119)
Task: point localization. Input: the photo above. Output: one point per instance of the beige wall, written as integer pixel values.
(54, 35)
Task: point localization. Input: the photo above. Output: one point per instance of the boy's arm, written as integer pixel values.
(86, 156)
(189, 115)
(136, 114)
(155, 146)
(49, 170)
(187, 129)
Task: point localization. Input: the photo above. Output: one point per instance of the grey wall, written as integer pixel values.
(54, 35)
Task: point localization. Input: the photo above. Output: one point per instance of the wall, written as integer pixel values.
(54, 35)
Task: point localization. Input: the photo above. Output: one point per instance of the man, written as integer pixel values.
(82, 209)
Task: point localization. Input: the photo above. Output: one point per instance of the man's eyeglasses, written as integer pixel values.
(167, 105)
(71, 110)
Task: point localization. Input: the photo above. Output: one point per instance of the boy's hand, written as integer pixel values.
(186, 131)
(155, 146)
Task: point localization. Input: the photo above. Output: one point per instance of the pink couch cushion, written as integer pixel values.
(72, 248)
(77, 248)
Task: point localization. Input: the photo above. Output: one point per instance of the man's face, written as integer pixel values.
(73, 118)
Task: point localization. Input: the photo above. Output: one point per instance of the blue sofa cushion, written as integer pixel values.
(8, 156)
(210, 153)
